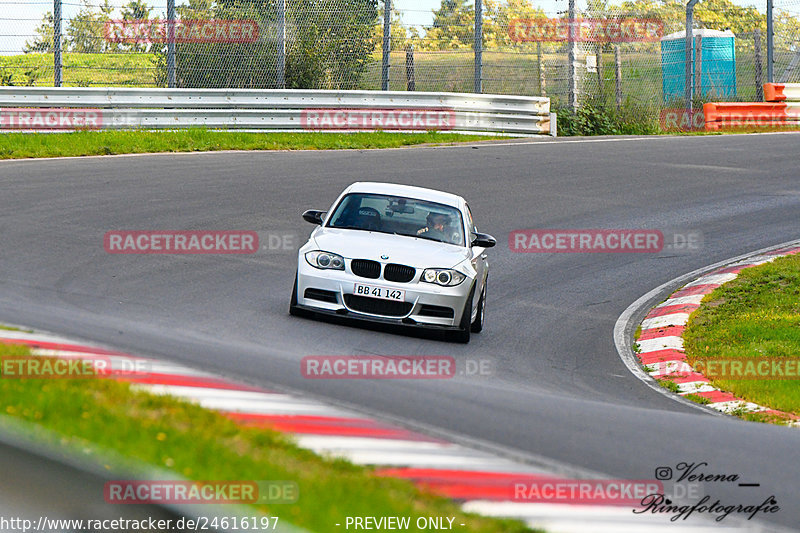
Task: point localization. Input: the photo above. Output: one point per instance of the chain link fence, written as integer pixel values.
(626, 54)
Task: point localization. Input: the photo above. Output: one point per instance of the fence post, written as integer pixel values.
(599, 61)
(478, 38)
(698, 67)
(171, 78)
(387, 36)
(687, 54)
(540, 70)
(281, 44)
(57, 43)
(573, 91)
(770, 43)
(757, 65)
(618, 75)
(411, 84)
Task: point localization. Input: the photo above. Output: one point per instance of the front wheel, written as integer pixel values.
(480, 318)
(294, 310)
(462, 334)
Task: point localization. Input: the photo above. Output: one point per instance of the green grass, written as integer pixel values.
(755, 316)
(669, 385)
(22, 145)
(133, 70)
(11, 328)
(702, 400)
(200, 444)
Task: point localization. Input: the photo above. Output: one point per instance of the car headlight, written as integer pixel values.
(446, 277)
(325, 260)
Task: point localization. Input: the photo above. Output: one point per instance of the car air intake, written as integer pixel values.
(399, 273)
(321, 295)
(366, 268)
(374, 306)
(437, 311)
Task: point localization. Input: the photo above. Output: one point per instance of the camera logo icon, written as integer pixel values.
(663, 473)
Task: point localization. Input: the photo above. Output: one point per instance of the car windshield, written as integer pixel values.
(400, 216)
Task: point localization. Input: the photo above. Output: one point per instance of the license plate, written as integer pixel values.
(384, 293)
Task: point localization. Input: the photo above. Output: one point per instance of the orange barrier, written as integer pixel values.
(780, 92)
(723, 115)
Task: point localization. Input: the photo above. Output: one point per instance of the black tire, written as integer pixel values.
(462, 334)
(477, 326)
(293, 309)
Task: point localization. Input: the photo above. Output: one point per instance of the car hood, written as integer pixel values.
(419, 253)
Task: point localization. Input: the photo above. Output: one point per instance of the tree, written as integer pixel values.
(499, 17)
(329, 44)
(399, 36)
(85, 31)
(453, 26)
(43, 42)
(132, 11)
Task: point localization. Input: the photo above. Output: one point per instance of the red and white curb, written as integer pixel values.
(481, 482)
(661, 351)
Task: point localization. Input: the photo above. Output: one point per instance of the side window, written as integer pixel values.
(470, 224)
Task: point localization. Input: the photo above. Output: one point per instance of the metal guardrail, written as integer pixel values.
(48, 108)
(782, 92)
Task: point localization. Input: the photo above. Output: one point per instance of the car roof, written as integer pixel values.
(409, 191)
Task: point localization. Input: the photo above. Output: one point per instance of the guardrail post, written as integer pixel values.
(171, 78)
(757, 65)
(281, 78)
(57, 43)
(770, 43)
(688, 57)
(387, 36)
(478, 38)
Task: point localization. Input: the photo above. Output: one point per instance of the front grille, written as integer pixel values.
(374, 306)
(399, 273)
(321, 295)
(437, 311)
(366, 268)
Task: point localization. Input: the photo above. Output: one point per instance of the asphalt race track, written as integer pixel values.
(558, 393)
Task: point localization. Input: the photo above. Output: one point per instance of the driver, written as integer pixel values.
(438, 227)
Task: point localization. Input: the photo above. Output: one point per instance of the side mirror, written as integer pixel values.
(313, 216)
(483, 240)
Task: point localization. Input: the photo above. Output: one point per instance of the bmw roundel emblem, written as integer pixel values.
(384, 257)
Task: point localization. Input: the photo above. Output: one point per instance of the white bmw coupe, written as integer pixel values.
(395, 254)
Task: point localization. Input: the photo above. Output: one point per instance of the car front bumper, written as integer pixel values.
(425, 304)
